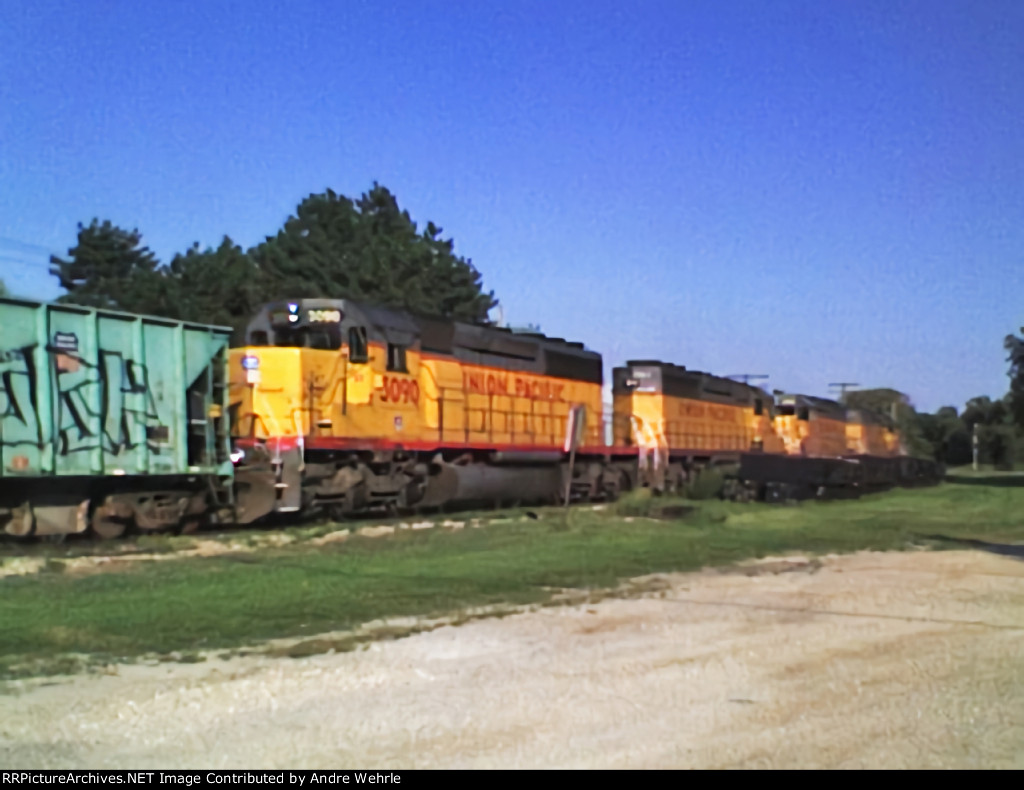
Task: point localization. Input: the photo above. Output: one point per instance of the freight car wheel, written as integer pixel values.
(105, 527)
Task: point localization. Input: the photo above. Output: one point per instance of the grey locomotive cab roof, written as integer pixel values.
(823, 405)
(651, 375)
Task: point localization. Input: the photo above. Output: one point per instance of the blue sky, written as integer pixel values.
(818, 191)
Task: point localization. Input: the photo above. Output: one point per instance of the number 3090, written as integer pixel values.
(324, 316)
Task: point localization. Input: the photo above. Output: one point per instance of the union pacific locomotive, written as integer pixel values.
(110, 421)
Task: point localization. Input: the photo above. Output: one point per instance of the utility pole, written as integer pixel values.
(746, 377)
(843, 387)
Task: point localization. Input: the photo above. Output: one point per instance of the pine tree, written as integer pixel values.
(110, 268)
(214, 286)
(370, 250)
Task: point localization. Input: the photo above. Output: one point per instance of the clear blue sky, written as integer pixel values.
(818, 191)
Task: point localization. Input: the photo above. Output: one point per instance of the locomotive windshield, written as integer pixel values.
(789, 409)
(326, 337)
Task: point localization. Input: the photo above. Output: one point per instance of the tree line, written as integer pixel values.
(333, 247)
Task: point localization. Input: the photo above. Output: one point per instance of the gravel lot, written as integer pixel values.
(902, 660)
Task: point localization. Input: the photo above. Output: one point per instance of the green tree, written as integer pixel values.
(992, 422)
(1015, 399)
(947, 436)
(214, 286)
(370, 249)
(109, 267)
(3, 289)
(984, 411)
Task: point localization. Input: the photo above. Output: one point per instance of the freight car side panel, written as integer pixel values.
(93, 393)
(167, 437)
(26, 439)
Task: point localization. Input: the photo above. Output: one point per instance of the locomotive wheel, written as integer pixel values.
(105, 527)
(190, 526)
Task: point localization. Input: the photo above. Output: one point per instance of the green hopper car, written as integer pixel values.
(110, 420)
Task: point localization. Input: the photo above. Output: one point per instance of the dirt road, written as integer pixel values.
(911, 660)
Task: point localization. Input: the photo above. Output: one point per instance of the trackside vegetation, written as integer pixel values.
(62, 619)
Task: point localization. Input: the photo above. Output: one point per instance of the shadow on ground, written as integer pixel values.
(1005, 480)
(1004, 549)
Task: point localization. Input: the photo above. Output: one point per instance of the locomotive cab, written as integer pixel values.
(689, 411)
(317, 385)
(809, 426)
(325, 360)
(869, 433)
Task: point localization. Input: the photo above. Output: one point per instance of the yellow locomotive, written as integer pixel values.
(872, 434)
(680, 419)
(356, 405)
(810, 426)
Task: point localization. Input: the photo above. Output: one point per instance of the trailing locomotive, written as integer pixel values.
(112, 422)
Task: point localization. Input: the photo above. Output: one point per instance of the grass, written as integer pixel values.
(59, 622)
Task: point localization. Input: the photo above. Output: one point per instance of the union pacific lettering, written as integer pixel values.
(516, 386)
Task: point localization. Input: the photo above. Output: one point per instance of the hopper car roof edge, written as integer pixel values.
(86, 309)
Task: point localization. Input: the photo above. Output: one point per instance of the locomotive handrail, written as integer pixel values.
(539, 424)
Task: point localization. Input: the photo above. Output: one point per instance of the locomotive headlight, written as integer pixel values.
(237, 455)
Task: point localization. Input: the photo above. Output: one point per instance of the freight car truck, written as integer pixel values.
(110, 421)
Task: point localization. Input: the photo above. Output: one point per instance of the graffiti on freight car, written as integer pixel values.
(107, 405)
(19, 421)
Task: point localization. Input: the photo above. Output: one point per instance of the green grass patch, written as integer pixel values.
(184, 607)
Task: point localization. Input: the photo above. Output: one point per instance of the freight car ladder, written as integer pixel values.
(208, 441)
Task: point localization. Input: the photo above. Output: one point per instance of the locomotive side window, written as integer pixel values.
(258, 339)
(396, 358)
(758, 406)
(357, 347)
(804, 414)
